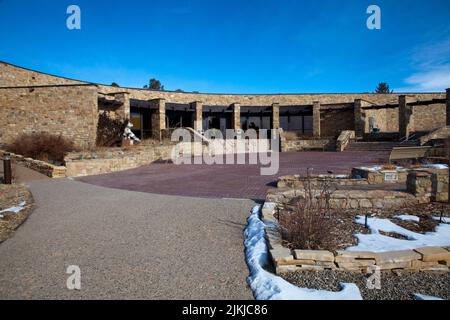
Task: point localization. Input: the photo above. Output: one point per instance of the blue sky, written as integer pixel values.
(234, 46)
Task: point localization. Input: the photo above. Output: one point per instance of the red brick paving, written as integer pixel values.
(229, 181)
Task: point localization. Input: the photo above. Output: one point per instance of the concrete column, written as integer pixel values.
(236, 120)
(158, 117)
(276, 116)
(316, 118)
(448, 107)
(405, 118)
(198, 115)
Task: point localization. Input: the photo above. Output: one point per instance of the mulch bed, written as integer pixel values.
(393, 286)
(11, 196)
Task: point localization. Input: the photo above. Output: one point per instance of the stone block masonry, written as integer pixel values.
(43, 167)
(68, 110)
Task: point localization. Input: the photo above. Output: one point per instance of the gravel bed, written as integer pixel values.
(393, 286)
(11, 196)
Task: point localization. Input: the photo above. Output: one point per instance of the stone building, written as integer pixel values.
(32, 101)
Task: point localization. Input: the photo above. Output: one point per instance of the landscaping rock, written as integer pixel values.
(433, 254)
(281, 254)
(346, 256)
(317, 255)
(397, 256)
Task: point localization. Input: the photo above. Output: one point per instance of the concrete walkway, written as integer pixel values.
(129, 245)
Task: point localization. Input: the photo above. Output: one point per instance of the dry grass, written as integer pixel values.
(309, 224)
(42, 146)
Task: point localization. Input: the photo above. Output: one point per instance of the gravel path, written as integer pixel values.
(129, 245)
(393, 286)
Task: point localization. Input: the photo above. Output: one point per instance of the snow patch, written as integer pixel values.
(17, 209)
(407, 217)
(425, 297)
(444, 219)
(436, 166)
(377, 242)
(267, 286)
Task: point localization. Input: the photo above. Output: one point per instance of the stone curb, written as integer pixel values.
(43, 167)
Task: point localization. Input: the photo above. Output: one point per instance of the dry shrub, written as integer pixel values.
(309, 223)
(109, 130)
(389, 166)
(42, 146)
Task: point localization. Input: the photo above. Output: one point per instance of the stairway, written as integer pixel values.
(379, 146)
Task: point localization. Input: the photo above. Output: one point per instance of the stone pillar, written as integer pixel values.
(405, 118)
(124, 110)
(360, 122)
(276, 116)
(448, 107)
(198, 115)
(316, 118)
(158, 117)
(236, 120)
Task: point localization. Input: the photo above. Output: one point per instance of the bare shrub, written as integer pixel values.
(42, 146)
(109, 130)
(309, 223)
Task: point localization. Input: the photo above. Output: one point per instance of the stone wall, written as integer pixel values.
(71, 111)
(428, 117)
(299, 182)
(344, 140)
(15, 76)
(40, 166)
(386, 119)
(333, 122)
(85, 164)
(380, 176)
(298, 145)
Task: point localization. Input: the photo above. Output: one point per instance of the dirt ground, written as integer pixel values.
(12, 196)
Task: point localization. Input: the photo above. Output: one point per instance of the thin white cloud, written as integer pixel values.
(432, 64)
(429, 81)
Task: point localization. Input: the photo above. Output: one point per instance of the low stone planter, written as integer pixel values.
(351, 199)
(287, 260)
(380, 176)
(43, 167)
(297, 181)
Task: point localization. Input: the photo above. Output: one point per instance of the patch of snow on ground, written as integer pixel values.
(444, 219)
(407, 217)
(436, 166)
(425, 297)
(17, 209)
(377, 242)
(374, 168)
(267, 286)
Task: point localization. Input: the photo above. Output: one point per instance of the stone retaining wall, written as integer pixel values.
(351, 199)
(115, 160)
(287, 260)
(324, 144)
(43, 167)
(297, 181)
